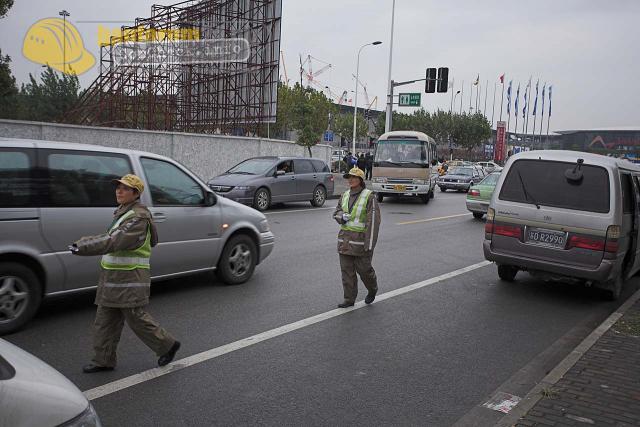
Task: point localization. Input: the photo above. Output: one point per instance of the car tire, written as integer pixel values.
(507, 272)
(478, 215)
(380, 197)
(444, 190)
(613, 289)
(20, 292)
(262, 199)
(238, 260)
(319, 196)
(432, 194)
(425, 198)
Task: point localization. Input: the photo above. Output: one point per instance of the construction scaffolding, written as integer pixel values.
(163, 93)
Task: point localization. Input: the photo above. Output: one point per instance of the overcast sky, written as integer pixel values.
(588, 49)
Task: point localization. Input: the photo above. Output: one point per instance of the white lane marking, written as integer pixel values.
(417, 221)
(298, 210)
(121, 384)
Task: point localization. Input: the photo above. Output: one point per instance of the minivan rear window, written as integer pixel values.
(544, 183)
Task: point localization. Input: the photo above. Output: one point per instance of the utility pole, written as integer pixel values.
(387, 123)
(64, 15)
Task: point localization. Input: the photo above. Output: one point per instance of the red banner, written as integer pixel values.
(499, 146)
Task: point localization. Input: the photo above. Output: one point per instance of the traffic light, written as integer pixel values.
(443, 79)
(430, 84)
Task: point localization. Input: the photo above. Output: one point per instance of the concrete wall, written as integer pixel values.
(206, 155)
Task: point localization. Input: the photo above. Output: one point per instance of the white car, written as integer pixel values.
(32, 393)
(490, 166)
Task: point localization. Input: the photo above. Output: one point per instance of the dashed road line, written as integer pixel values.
(178, 365)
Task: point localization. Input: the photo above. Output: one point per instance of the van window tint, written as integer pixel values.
(16, 180)
(170, 186)
(303, 166)
(83, 179)
(545, 183)
(320, 166)
(627, 193)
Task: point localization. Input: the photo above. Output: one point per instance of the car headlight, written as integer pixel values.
(420, 181)
(380, 179)
(89, 418)
(263, 226)
(243, 187)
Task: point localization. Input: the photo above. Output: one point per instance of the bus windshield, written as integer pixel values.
(400, 152)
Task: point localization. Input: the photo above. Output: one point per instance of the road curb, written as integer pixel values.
(535, 395)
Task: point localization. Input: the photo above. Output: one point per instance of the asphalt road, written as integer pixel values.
(426, 356)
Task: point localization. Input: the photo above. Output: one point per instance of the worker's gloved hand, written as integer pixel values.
(346, 217)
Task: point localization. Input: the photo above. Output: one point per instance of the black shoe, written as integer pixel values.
(370, 297)
(345, 304)
(166, 358)
(92, 368)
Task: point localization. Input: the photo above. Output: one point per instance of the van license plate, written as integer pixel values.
(556, 239)
(400, 188)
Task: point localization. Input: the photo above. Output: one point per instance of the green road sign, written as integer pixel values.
(409, 100)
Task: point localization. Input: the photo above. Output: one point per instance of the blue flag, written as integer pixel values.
(543, 91)
(509, 98)
(516, 101)
(550, 86)
(535, 103)
(524, 109)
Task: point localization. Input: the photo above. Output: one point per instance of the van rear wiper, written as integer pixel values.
(527, 195)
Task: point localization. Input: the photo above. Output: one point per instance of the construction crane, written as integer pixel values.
(309, 74)
(284, 67)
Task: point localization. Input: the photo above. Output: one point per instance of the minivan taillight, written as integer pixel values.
(582, 242)
(613, 234)
(508, 230)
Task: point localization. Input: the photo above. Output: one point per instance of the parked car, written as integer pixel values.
(489, 166)
(479, 195)
(261, 181)
(460, 178)
(34, 394)
(53, 193)
(566, 215)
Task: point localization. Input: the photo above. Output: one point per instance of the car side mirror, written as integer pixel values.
(279, 173)
(210, 199)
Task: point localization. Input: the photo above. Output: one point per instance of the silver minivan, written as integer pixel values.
(52, 193)
(566, 215)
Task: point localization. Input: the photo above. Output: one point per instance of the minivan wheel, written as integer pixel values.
(262, 199)
(507, 272)
(238, 260)
(380, 197)
(613, 289)
(319, 196)
(478, 215)
(20, 296)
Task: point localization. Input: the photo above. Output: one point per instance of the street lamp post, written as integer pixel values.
(387, 123)
(355, 104)
(64, 15)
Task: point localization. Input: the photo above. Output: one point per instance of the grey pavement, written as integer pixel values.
(426, 357)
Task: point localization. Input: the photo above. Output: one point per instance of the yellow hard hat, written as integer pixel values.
(131, 181)
(355, 171)
(53, 42)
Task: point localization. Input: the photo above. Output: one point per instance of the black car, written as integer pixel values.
(460, 178)
(261, 181)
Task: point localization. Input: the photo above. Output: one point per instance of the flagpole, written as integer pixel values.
(493, 112)
(470, 98)
(502, 97)
(535, 115)
(486, 88)
(528, 110)
(515, 110)
(453, 83)
(461, 96)
(477, 95)
(548, 120)
(542, 114)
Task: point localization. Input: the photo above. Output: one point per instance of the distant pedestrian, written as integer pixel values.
(362, 162)
(124, 284)
(368, 172)
(358, 214)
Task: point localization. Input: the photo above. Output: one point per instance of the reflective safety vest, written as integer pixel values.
(358, 213)
(130, 259)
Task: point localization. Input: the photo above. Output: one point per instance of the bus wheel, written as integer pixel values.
(380, 197)
(425, 198)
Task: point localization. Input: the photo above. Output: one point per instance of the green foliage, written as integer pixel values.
(8, 89)
(50, 99)
(343, 126)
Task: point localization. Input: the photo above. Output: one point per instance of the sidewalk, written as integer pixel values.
(601, 388)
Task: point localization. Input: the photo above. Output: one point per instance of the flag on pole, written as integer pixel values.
(550, 87)
(524, 108)
(502, 78)
(477, 80)
(535, 103)
(544, 88)
(515, 104)
(509, 98)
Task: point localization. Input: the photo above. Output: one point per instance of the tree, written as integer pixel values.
(343, 126)
(8, 90)
(309, 115)
(49, 100)
(5, 5)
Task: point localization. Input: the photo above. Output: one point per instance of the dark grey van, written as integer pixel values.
(52, 193)
(566, 215)
(261, 181)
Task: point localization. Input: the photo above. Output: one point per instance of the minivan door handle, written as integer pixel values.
(159, 217)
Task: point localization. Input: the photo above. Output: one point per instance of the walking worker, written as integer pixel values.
(358, 214)
(124, 284)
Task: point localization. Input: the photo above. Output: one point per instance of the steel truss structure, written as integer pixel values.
(215, 97)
